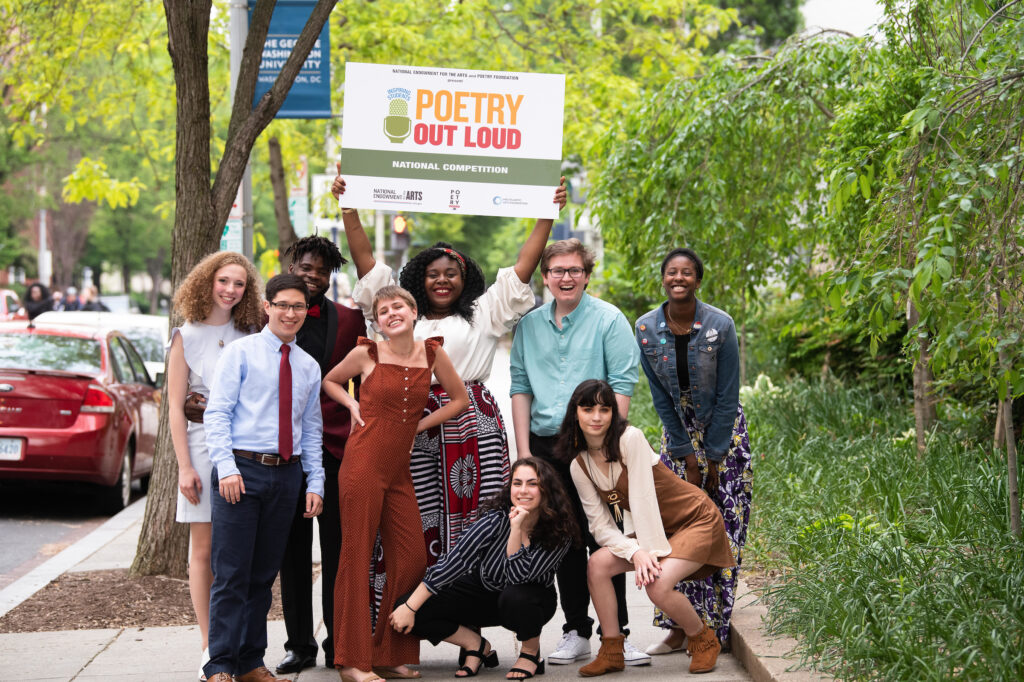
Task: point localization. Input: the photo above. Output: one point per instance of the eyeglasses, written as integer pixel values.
(559, 273)
(298, 308)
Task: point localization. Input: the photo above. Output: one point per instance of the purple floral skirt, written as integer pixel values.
(713, 597)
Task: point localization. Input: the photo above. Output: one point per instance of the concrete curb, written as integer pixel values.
(766, 659)
(39, 577)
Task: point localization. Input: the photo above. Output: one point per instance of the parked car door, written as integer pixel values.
(148, 411)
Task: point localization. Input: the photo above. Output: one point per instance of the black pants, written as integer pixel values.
(297, 568)
(573, 592)
(523, 609)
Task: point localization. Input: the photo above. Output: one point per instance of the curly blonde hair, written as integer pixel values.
(194, 298)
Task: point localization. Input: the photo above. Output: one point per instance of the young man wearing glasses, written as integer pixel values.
(263, 416)
(574, 338)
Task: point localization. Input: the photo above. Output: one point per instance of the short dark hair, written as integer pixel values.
(283, 282)
(698, 264)
(321, 247)
(570, 438)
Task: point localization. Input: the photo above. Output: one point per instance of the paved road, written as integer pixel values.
(37, 522)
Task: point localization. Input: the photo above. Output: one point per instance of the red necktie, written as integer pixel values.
(313, 310)
(284, 406)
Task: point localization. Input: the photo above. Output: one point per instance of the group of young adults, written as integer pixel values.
(404, 457)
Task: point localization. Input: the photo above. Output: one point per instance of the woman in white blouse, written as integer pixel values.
(670, 530)
(465, 461)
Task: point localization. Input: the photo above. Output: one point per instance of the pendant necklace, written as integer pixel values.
(686, 330)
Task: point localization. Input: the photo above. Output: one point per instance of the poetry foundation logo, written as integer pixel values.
(397, 124)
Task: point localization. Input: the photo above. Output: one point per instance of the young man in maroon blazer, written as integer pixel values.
(329, 333)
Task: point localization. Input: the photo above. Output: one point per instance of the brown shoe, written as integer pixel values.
(219, 677)
(703, 649)
(260, 674)
(609, 658)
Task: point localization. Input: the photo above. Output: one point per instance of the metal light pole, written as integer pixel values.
(239, 29)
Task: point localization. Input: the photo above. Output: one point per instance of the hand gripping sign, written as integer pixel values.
(452, 141)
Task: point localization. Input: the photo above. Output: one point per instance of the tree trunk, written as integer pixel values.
(924, 404)
(1011, 465)
(155, 269)
(1000, 433)
(201, 210)
(285, 230)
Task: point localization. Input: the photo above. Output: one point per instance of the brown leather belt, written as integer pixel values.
(269, 459)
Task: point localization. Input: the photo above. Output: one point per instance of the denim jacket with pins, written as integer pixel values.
(713, 358)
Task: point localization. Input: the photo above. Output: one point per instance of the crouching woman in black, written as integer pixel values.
(500, 572)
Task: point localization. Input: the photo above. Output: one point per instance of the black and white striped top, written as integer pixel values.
(481, 549)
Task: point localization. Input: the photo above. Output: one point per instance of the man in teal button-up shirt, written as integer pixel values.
(556, 347)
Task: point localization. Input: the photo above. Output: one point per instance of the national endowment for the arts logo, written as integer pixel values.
(397, 124)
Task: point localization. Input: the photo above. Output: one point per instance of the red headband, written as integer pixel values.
(457, 257)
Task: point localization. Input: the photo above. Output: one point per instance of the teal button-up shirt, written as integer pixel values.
(595, 342)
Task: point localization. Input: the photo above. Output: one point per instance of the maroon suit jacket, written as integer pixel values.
(344, 327)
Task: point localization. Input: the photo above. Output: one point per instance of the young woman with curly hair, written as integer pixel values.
(220, 302)
(677, 531)
(500, 572)
(464, 461)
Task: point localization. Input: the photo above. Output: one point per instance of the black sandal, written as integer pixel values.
(486, 661)
(533, 658)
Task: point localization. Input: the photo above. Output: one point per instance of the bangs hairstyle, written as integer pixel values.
(698, 264)
(414, 275)
(571, 439)
(387, 293)
(194, 298)
(556, 520)
(286, 281)
(566, 247)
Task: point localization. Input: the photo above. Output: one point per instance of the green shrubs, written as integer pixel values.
(891, 567)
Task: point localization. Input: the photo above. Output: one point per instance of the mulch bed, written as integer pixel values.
(111, 599)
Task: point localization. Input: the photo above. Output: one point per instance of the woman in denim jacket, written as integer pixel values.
(704, 433)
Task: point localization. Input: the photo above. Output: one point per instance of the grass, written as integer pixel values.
(890, 566)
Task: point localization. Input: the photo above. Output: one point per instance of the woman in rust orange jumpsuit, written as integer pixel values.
(375, 484)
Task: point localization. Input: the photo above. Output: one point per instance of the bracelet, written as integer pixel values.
(406, 605)
(348, 211)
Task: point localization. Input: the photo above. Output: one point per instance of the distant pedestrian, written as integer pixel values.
(690, 355)
(91, 300)
(262, 420)
(71, 301)
(220, 303)
(58, 299)
(37, 300)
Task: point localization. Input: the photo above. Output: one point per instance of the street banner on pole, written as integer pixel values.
(310, 94)
(452, 140)
(298, 199)
(231, 237)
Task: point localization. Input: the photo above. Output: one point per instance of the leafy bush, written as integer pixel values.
(892, 567)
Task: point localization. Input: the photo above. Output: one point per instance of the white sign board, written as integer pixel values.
(452, 140)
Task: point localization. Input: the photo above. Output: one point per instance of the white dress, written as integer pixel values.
(202, 346)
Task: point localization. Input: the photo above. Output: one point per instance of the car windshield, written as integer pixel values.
(148, 342)
(39, 351)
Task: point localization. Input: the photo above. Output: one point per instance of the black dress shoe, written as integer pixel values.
(294, 662)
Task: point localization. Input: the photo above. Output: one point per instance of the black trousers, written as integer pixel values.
(573, 592)
(297, 568)
(523, 609)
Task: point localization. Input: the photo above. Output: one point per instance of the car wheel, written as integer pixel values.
(115, 498)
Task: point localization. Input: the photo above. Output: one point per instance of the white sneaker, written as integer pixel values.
(571, 648)
(203, 660)
(634, 656)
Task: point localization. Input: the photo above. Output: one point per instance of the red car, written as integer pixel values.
(76, 404)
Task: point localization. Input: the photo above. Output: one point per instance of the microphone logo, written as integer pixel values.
(397, 124)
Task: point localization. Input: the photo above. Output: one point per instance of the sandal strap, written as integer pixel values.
(526, 673)
(533, 658)
(479, 652)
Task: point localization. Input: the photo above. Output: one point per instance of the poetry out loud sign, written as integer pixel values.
(452, 141)
(310, 94)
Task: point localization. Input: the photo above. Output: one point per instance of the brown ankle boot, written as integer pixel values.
(703, 649)
(609, 658)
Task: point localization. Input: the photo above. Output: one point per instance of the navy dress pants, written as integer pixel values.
(248, 543)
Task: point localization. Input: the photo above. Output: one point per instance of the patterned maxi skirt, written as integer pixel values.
(455, 467)
(713, 597)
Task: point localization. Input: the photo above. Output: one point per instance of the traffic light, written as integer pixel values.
(399, 233)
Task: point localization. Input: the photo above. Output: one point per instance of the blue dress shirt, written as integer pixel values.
(595, 342)
(242, 412)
